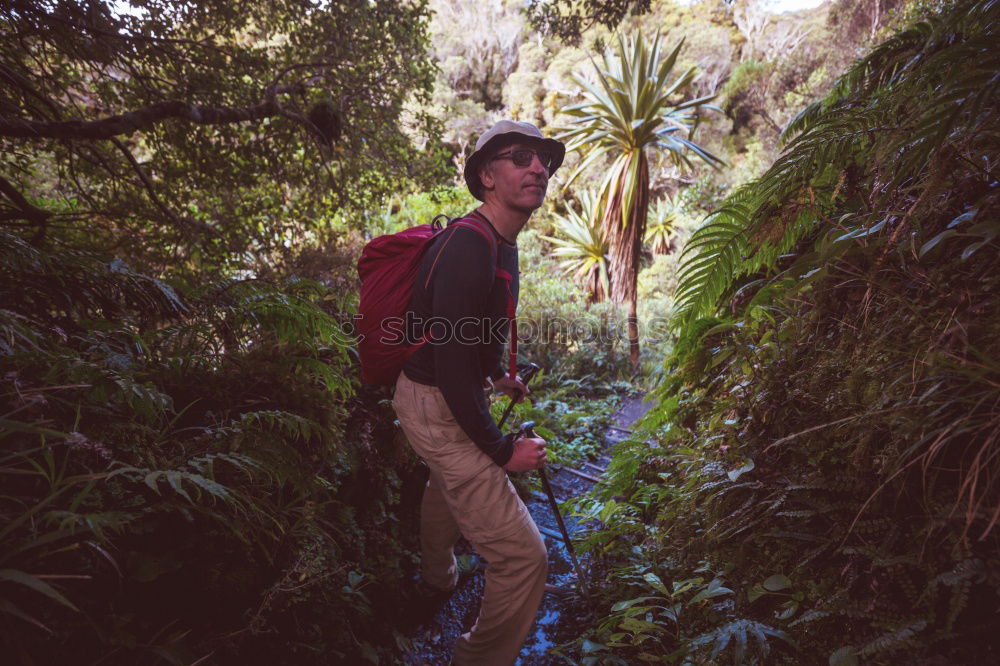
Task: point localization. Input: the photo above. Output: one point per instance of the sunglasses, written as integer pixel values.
(522, 157)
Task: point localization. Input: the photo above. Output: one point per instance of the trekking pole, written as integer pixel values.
(527, 430)
(530, 370)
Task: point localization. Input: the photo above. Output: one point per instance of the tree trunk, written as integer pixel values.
(624, 231)
(633, 335)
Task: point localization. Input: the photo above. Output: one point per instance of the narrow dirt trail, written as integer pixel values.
(557, 620)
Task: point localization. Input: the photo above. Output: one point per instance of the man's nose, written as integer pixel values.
(536, 165)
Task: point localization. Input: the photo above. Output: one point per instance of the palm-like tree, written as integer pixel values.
(660, 226)
(582, 247)
(633, 105)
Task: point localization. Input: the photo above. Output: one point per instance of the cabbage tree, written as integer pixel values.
(635, 104)
(582, 250)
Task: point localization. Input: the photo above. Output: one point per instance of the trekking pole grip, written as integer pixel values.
(530, 370)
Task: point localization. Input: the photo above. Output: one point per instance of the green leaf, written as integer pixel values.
(36, 584)
(712, 590)
(622, 605)
(735, 474)
(635, 625)
(790, 608)
(932, 243)
(777, 582)
(755, 593)
(969, 250)
(654, 581)
(964, 217)
(11, 609)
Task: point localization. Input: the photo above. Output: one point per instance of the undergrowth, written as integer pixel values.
(823, 486)
(571, 414)
(190, 478)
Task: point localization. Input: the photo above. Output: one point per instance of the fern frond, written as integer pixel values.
(871, 113)
(897, 639)
(739, 634)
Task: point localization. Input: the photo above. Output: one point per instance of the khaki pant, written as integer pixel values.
(468, 494)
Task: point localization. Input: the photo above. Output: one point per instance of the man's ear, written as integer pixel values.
(486, 177)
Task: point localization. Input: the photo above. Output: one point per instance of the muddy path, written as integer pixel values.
(559, 620)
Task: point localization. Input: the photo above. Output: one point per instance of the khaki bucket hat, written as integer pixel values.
(502, 134)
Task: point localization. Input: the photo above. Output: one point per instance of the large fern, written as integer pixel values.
(189, 446)
(827, 438)
(950, 63)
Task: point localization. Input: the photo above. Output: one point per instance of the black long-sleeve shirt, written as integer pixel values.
(470, 327)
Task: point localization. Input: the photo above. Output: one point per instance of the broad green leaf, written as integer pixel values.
(712, 590)
(654, 581)
(747, 466)
(777, 582)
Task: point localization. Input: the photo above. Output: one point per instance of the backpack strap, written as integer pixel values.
(512, 316)
(468, 223)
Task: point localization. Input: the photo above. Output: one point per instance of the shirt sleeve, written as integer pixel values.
(462, 280)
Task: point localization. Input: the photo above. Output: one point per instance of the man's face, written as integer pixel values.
(519, 187)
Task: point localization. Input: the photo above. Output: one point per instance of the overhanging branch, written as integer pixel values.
(133, 121)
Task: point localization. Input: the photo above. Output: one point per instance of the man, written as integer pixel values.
(441, 404)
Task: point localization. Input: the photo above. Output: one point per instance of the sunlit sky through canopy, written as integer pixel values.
(792, 5)
(778, 6)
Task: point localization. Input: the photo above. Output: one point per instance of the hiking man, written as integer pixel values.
(440, 397)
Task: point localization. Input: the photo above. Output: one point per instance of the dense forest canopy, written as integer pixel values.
(195, 134)
(192, 471)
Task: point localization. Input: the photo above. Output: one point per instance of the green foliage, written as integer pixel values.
(740, 81)
(661, 226)
(869, 112)
(197, 134)
(403, 212)
(193, 449)
(634, 104)
(631, 107)
(558, 329)
(581, 247)
(826, 433)
(571, 412)
(568, 20)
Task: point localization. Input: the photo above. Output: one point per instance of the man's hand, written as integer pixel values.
(529, 454)
(513, 388)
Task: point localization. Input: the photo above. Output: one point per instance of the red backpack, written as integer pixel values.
(388, 269)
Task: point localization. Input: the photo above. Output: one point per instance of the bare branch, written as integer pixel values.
(145, 179)
(148, 186)
(16, 80)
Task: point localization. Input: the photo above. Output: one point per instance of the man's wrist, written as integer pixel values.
(507, 450)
